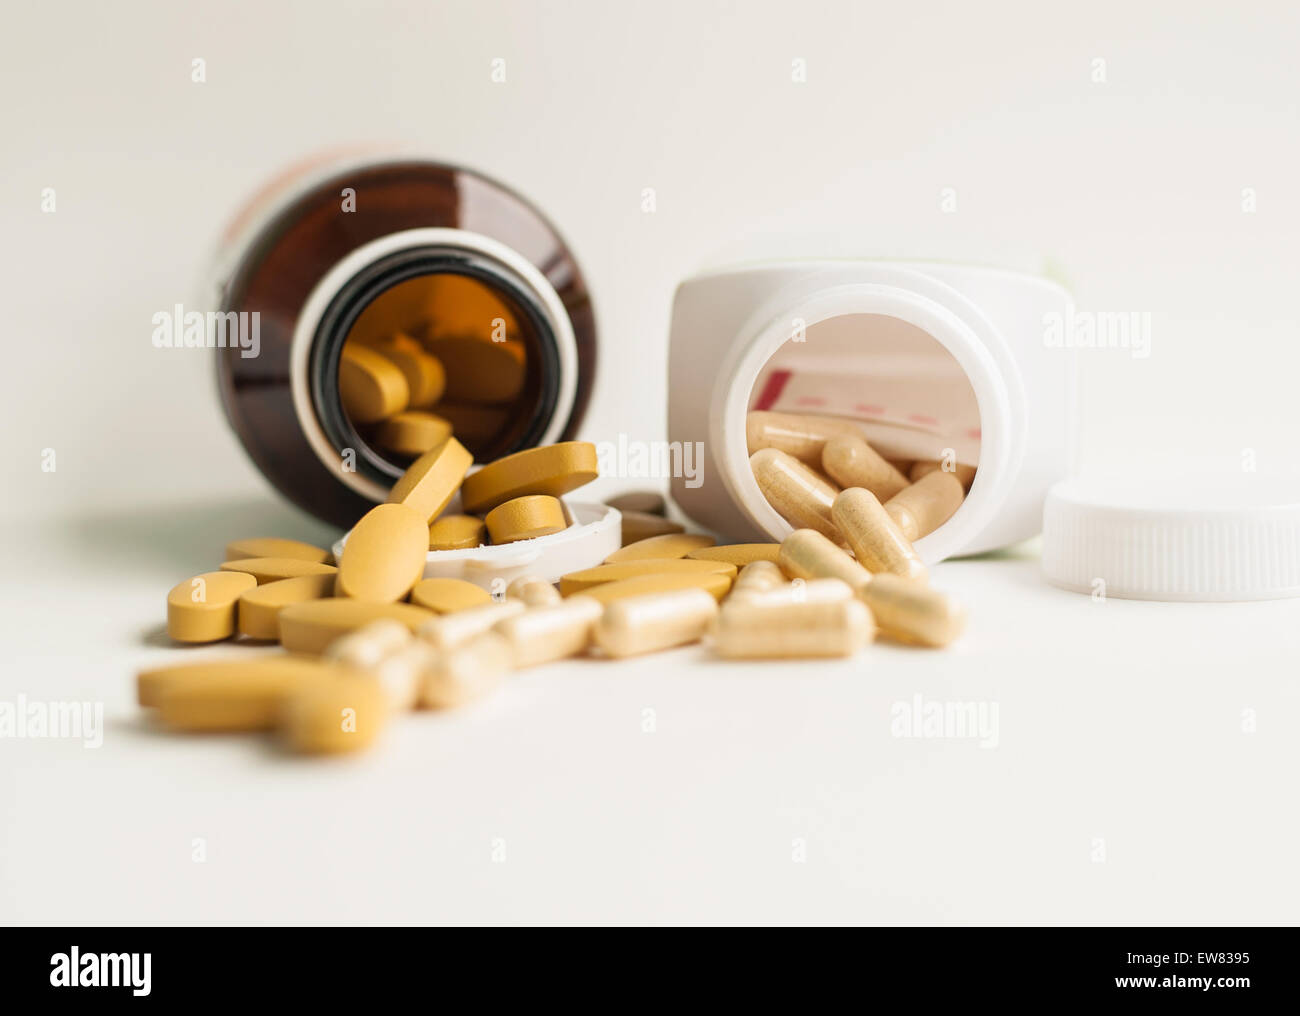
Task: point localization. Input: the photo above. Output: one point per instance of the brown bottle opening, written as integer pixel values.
(488, 327)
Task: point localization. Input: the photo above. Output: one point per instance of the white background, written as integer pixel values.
(1119, 722)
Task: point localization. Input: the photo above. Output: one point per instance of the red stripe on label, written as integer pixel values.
(772, 388)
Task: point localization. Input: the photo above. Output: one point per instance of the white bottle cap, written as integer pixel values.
(595, 531)
(1193, 536)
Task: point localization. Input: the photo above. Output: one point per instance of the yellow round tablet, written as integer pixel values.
(639, 526)
(481, 371)
(525, 518)
(311, 626)
(270, 546)
(457, 532)
(715, 584)
(272, 569)
(475, 424)
(370, 385)
(432, 479)
(669, 545)
(739, 554)
(384, 555)
(259, 608)
(204, 608)
(335, 715)
(581, 581)
(412, 432)
(551, 469)
(446, 596)
(425, 378)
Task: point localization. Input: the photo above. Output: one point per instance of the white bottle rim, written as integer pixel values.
(304, 334)
(925, 303)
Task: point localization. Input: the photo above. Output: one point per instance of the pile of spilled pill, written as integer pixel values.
(367, 636)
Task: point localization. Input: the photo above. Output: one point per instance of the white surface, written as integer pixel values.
(1120, 720)
(1158, 535)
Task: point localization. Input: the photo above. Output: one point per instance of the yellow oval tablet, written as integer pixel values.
(446, 596)
(311, 626)
(259, 608)
(715, 584)
(384, 554)
(204, 608)
(739, 554)
(552, 469)
(581, 581)
(412, 432)
(432, 479)
(270, 546)
(474, 424)
(525, 518)
(370, 385)
(230, 694)
(340, 714)
(481, 372)
(647, 501)
(273, 569)
(670, 545)
(457, 532)
(425, 378)
(639, 526)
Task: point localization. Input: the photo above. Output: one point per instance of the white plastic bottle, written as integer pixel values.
(931, 360)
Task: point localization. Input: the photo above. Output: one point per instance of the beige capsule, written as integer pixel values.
(851, 462)
(402, 673)
(648, 624)
(966, 474)
(638, 526)
(799, 495)
(662, 548)
(918, 510)
(363, 648)
(806, 554)
(877, 542)
(534, 591)
(334, 716)
(471, 670)
(804, 437)
(799, 591)
(913, 612)
(775, 630)
(545, 634)
(452, 630)
(760, 576)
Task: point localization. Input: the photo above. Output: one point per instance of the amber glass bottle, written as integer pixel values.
(376, 250)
